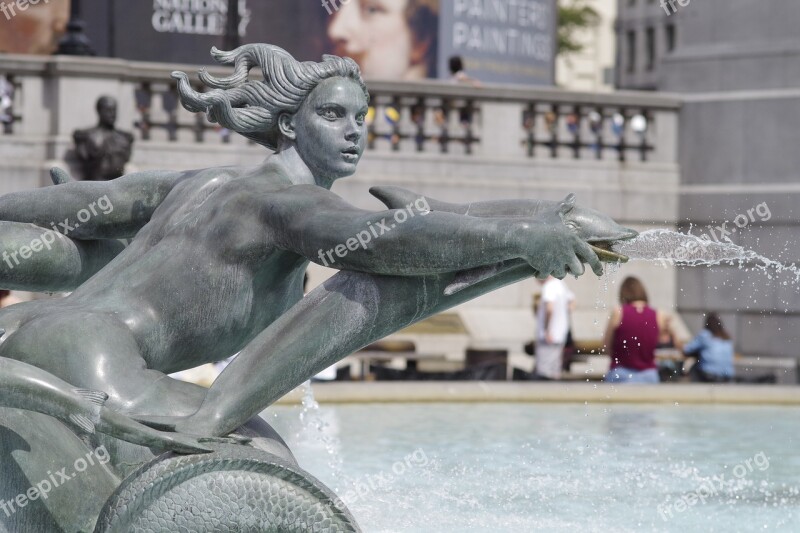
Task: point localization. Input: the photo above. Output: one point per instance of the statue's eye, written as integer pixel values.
(331, 112)
(571, 225)
(360, 118)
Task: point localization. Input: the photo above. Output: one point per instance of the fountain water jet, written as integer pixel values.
(673, 247)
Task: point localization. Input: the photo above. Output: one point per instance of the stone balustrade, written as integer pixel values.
(55, 95)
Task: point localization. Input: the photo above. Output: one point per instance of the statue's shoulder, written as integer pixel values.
(81, 135)
(128, 136)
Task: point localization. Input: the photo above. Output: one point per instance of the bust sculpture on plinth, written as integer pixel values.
(215, 267)
(103, 150)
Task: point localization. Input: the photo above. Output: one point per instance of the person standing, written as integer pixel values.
(458, 74)
(552, 327)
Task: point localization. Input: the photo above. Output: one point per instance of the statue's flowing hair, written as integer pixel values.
(252, 107)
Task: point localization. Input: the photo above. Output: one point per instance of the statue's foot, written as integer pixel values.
(187, 428)
(161, 423)
(190, 444)
(230, 439)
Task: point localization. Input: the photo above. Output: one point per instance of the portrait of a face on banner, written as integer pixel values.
(34, 30)
(499, 41)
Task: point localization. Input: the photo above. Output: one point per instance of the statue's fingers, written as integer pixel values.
(587, 255)
(575, 266)
(187, 445)
(538, 272)
(230, 439)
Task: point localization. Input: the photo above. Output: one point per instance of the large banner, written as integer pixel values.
(499, 41)
(183, 31)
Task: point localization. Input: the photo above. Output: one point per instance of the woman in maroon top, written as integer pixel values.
(632, 336)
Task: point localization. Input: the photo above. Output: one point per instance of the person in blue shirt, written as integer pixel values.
(714, 348)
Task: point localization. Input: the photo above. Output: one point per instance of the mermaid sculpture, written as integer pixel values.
(215, 266)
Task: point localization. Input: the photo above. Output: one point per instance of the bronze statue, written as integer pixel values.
(103, 150)
(216, 266)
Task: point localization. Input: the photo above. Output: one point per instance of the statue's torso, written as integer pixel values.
(203, 277)
(103, 152)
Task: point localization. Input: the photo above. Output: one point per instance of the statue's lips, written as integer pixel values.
(351, 154)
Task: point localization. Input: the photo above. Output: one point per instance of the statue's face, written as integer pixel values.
(107, 111)
(330, 128)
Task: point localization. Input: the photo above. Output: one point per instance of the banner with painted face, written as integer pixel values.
(499, 41)
(32, 27)
(506, 41)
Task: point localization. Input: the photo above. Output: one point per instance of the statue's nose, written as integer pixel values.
(353, 135)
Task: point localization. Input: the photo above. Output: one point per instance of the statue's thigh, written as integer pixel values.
(85, 349)
(49, 479)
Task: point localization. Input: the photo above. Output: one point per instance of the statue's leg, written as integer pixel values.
(349, 311)
(95, 351)
(36, 259)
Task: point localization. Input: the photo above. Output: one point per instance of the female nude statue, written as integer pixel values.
(217, 256)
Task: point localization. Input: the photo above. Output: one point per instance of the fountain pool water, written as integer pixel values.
(558, 467)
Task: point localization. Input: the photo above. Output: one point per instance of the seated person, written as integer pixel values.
(714, 349)
(632, 335)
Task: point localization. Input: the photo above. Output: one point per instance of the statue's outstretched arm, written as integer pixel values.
(593, 227)
(319, 225)
(92, 209)
(41, 260)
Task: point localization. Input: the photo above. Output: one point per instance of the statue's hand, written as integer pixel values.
(552, 248)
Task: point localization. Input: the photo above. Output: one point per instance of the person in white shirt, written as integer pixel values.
(552, 327)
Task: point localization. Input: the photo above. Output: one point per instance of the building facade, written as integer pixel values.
(647, 32)
(592, 68)
(737, 65)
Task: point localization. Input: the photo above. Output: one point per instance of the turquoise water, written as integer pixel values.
(554, 467)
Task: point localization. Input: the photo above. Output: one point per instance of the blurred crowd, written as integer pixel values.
(636, 339)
